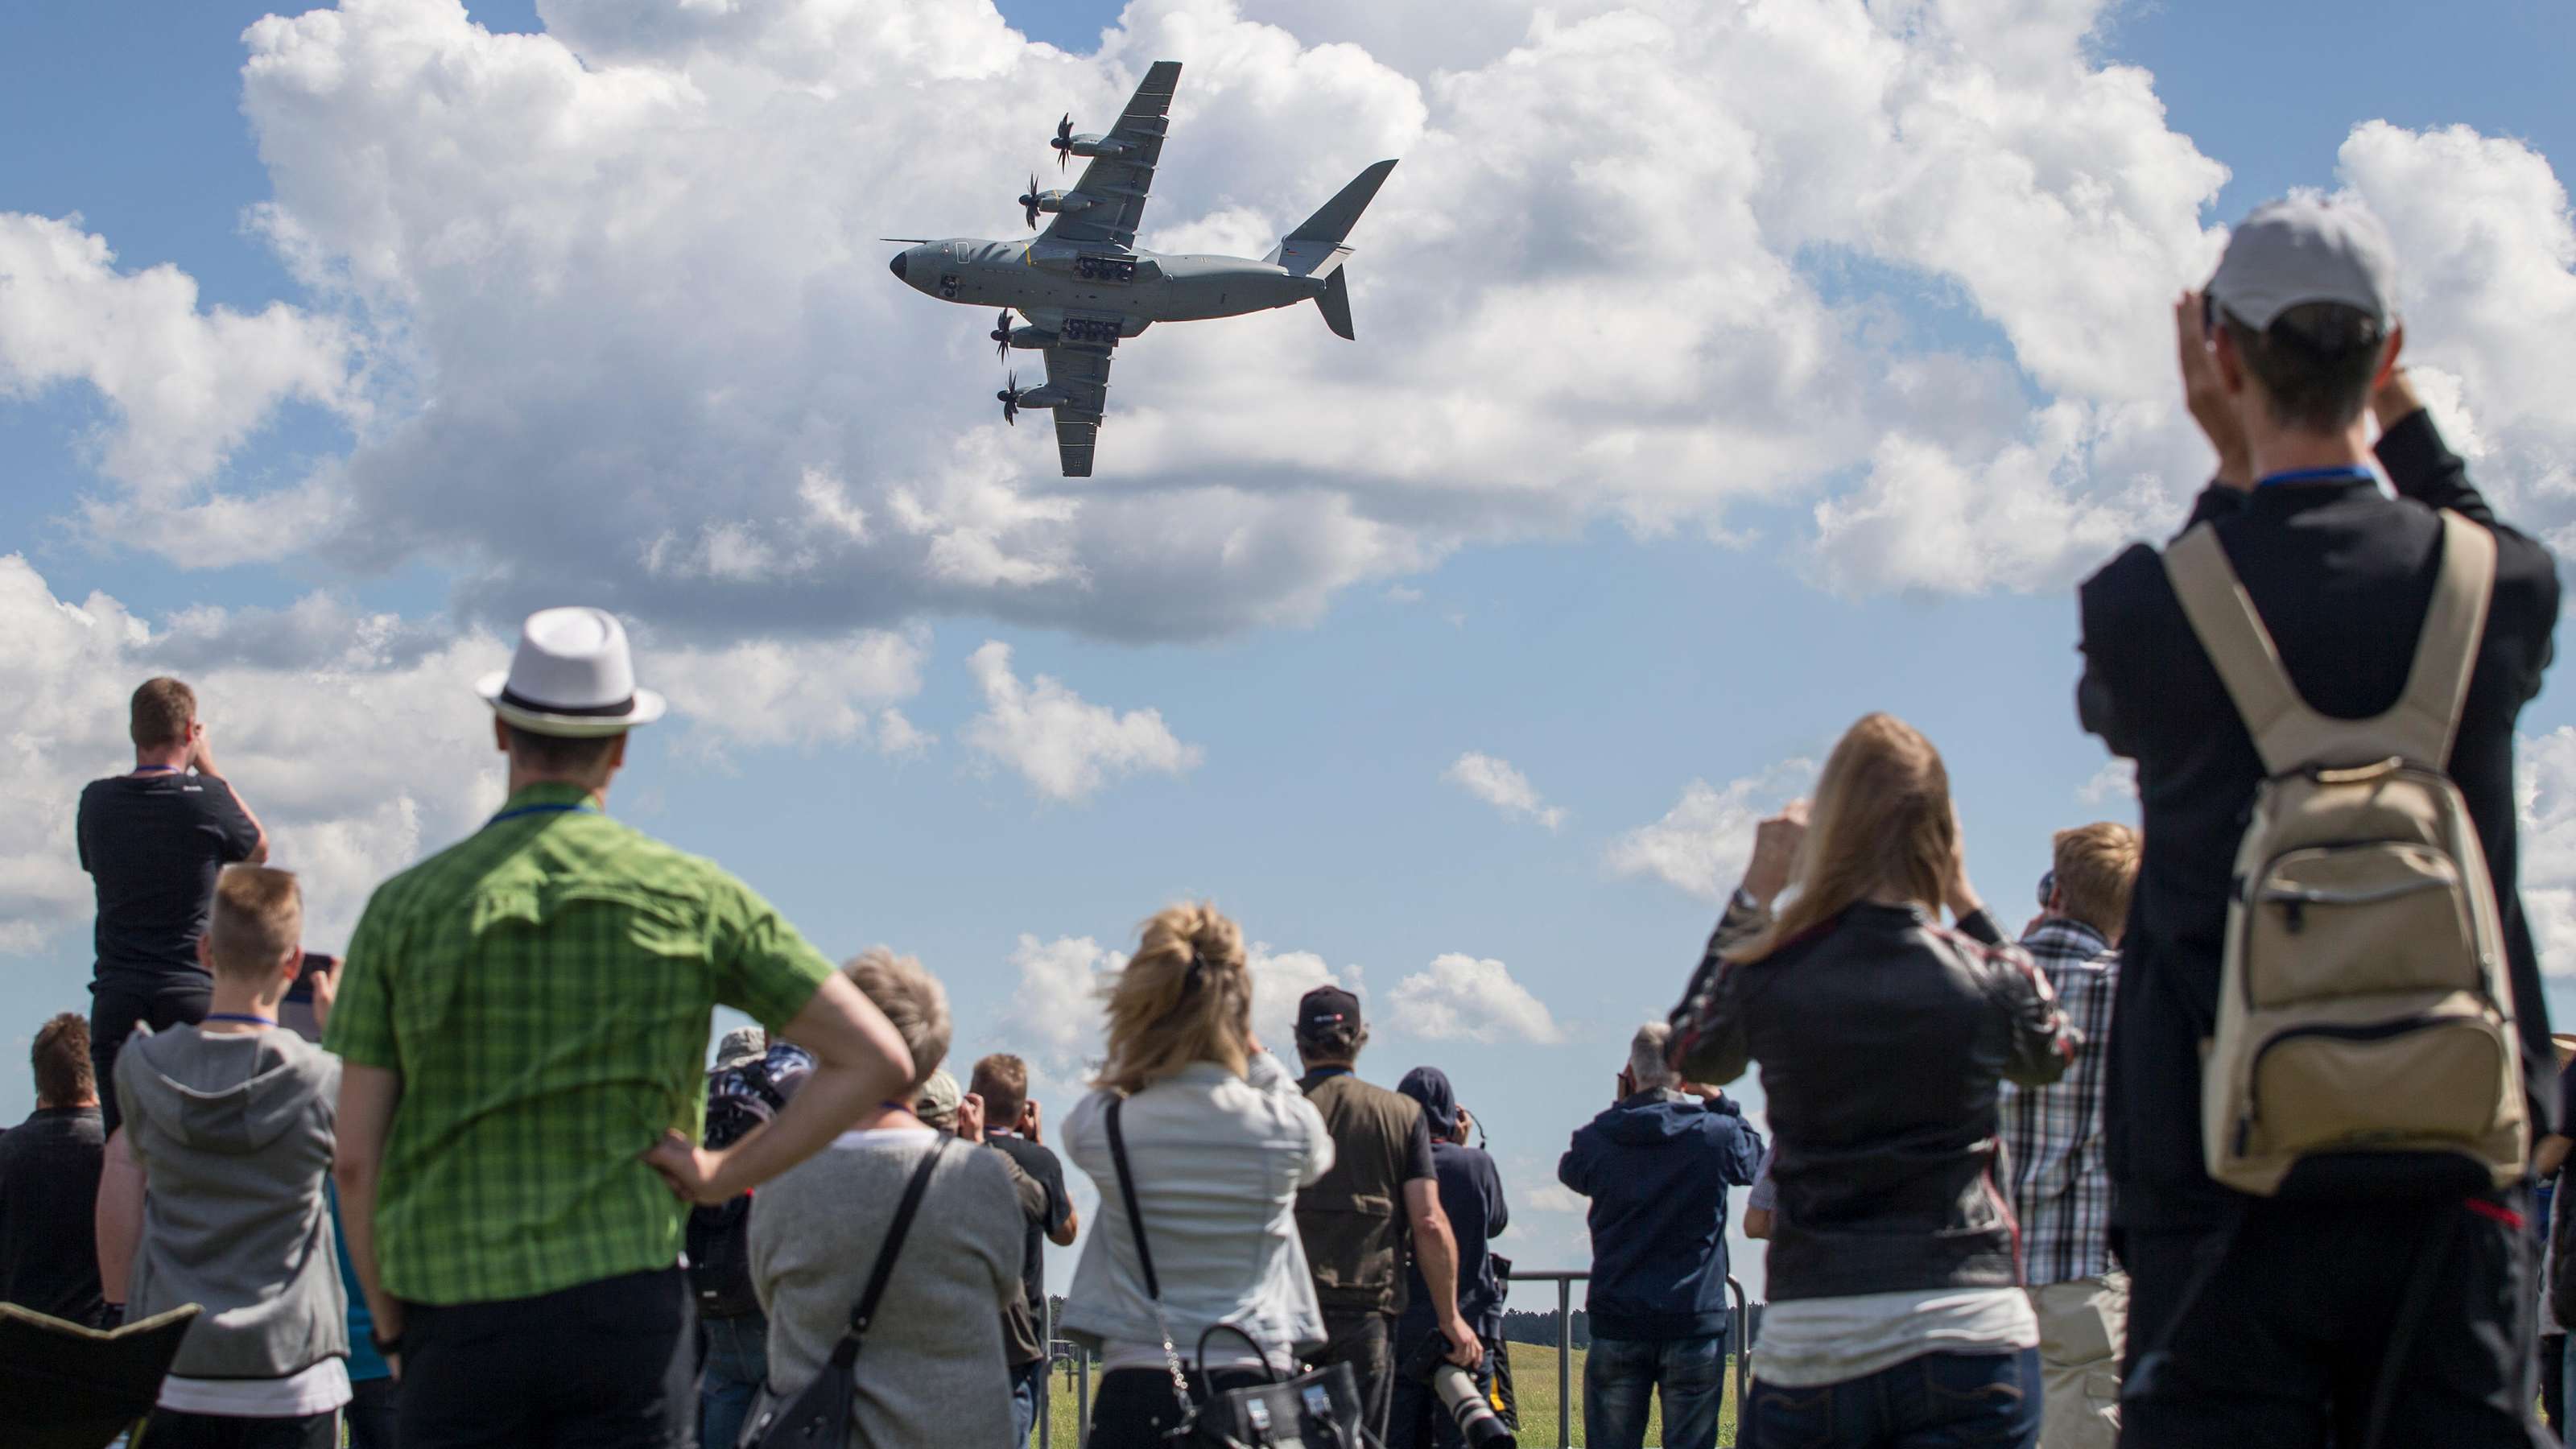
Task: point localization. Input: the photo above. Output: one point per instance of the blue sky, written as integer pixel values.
(1712, 603)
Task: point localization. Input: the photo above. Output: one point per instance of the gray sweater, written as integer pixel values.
(234, 1132)
(931, 1370)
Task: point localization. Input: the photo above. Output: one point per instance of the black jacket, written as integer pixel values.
(2342, 576)
(1882, 1037)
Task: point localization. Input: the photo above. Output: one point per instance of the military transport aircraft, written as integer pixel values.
(1085, 287)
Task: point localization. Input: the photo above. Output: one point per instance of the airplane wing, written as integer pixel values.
(1083, 373)
(1116, 185)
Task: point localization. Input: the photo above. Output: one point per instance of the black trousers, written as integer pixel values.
(604, 1365)
(2283, 1331)
(1136, 1409)
(1365, 1341)
(168, 1430)
(115, 1007)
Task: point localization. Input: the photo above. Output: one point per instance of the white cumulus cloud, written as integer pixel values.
(1465, 998)
(1063, 745)
(1495, 782)
(2546, 784)
(1055, 1010)
(1701, 845)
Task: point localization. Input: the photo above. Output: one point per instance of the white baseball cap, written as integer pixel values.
(2301, 250)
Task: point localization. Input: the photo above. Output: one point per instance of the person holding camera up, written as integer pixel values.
(1216, 1139)
(1896, 1309)
(2291, 1283)
(153, 841)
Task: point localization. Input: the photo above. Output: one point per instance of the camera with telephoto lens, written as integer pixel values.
(1460, 1399)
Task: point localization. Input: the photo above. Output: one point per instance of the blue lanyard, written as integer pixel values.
(540, 810)
(240, 1017)
(157, 769)
(2320, 475)
(1320, 1073)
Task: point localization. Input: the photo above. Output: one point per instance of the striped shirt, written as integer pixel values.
(545, 988)
(2061, 1188)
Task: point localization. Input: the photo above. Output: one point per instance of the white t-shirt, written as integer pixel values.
(1810, 1342)
(317, 1390)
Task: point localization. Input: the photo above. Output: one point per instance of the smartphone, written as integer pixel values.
(295, 1013)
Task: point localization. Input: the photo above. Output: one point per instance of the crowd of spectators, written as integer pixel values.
(480, 1186)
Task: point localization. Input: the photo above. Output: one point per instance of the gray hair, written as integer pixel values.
(1646, 1057)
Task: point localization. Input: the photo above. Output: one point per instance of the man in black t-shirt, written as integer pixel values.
(153, 842)
(1002, 1081)
(49, 1166)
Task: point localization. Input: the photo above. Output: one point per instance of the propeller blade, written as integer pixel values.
(1002, 335)
(1030, 201)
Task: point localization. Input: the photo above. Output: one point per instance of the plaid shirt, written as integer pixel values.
(2061, 1188)
(545, 987)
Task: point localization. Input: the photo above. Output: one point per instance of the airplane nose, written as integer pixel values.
(896, 266)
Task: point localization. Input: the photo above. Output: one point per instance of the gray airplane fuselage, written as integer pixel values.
(1046, 282)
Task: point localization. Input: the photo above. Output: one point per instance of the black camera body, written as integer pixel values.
(1459, 1397)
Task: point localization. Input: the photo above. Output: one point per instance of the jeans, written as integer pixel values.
(370, 1415)
(1365, 1341)
(600, 1365)
(1028, 1381)
(114, 1009)
(2278, 1331)
(1621, 1376)
(737, 1363)
(1936, 1401)
(1418, 1420)
(169, 1430)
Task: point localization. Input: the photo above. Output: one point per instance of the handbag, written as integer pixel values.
(819, 1416)
(1319, 1409)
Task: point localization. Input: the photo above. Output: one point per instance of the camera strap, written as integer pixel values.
(1188, 1405)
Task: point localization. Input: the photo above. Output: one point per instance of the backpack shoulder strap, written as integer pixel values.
(848, 1348)
(2233, 634)
(2446, 653)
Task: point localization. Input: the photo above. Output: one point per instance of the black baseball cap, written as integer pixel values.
(1321, 1010)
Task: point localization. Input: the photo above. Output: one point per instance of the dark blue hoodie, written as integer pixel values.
(1656, 1167)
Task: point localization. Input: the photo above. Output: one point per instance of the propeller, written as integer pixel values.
(1063, 142)
(1009, 397)
(1002, 335)
(1030, 201)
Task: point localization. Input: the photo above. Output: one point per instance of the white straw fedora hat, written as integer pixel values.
(572, 676)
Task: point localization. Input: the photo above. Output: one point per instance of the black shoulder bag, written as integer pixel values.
(819, 1416)
(1317, 1410)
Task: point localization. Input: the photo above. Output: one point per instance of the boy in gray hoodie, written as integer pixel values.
(229, 1126)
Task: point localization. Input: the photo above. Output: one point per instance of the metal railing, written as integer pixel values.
(1741, 1337)
(1077, 1359)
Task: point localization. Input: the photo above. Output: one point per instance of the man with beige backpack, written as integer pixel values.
(2329, 1052)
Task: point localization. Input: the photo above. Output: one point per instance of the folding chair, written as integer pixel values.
(63, 1386)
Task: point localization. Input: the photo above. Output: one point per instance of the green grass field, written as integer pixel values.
(1533, 1374)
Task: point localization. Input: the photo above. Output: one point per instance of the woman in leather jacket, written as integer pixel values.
(1895, 1273)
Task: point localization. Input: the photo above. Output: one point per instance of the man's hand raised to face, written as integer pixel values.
(2204, 392)
(1028, 1124)
(1775, 854)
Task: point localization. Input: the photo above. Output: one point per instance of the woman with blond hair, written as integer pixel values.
(1896, 1314)
(1217, 1139)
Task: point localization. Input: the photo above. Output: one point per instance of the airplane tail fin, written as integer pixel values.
(1315, 247)
(1335, 300)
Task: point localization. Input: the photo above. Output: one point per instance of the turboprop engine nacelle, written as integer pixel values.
(1062, 201)
(1032, 337)
(1097, 146)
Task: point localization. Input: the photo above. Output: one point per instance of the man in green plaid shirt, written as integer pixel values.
(524, 1026)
